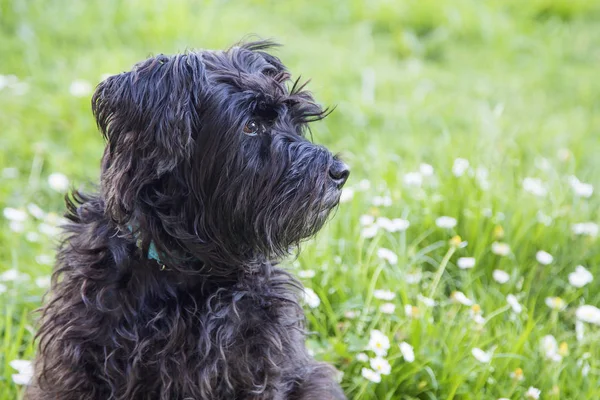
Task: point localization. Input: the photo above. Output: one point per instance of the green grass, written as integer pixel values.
(511, 86)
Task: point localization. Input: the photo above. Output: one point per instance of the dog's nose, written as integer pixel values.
(339, 172)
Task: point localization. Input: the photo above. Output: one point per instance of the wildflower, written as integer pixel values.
(460, 297)
(366, 220)
(413, 179)
(362, 357)
(413, 277)
(579, 330)
(481, 356)
(500, 276)
(381, 365)
(411, 311)
(581, 189)
(44, 259)
(446, 222)
(550, 348)
(477, 314)
(25, 371)
(457, 242)
(533, 393)
(32, 237)
(80, 88)
(382, 201)
(466, 262)
(42, 282)
(498, 232)
(589, 314)
(580, 277)
(426, 300)
(535, 186)
(3, 288)
(16, 226)
(460, 166)
(371, 375)
(15, 215)
(425, 169)
(346, 195)
(384, 294)
(517, 374)
(500, 249)
(543, 218)
(35, 211)
(555, 303)
(350, 314)
(407, 352)
(543, 257)
(311, 298)
(364, 184)
(563, 349)
(48, 229)
(387, 308)
(9, 275)
(586, 228)
(369, 231)
(306, 273)
(388, 255)
(58, 182)
(378, 343)
(514, 303)
(394, 225)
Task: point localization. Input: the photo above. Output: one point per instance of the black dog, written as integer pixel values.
(166, 285)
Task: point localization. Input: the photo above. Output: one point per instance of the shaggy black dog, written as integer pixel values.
(166, 285)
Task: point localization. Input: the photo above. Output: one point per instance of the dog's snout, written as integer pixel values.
(339, 172)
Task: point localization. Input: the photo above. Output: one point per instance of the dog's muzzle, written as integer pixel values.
(339, 172)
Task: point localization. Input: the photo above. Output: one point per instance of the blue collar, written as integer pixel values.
(152, 252)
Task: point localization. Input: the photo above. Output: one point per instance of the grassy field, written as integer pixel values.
(484, 112)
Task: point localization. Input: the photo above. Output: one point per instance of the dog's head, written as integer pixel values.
(207, 155)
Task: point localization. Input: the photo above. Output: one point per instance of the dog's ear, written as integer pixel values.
(148, 116)
(152, 109)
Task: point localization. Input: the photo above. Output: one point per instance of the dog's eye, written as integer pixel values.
(252, 128)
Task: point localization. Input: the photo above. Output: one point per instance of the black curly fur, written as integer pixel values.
(219, 320)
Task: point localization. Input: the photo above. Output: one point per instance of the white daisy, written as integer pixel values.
(555, 303)
(394, 225)
(311, 298)
(80, 88)
(15, 215)
(388, 255)
(586, 228)
(481, 356)
(382, 201)
(408, 352)
(500, 249)
(535, 186)
(362, 357)
(513, 302)
(370, 375)
(500, 276)
(379, 343)
(426, 169)
(384, 294)
(36, 211)
(533, 393)
(25, 372)
(43, 282)
(580, 277)
(581, 189)
(465, 262)
(413, 179)
(543, 257)
(460, 166)
(366, 220)
(460, 297)
(589, 314)
(346, 195)
(387, 308)
(369, 232)
(58, 182)
(306, 273)
(446, 222)
(381, 365)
